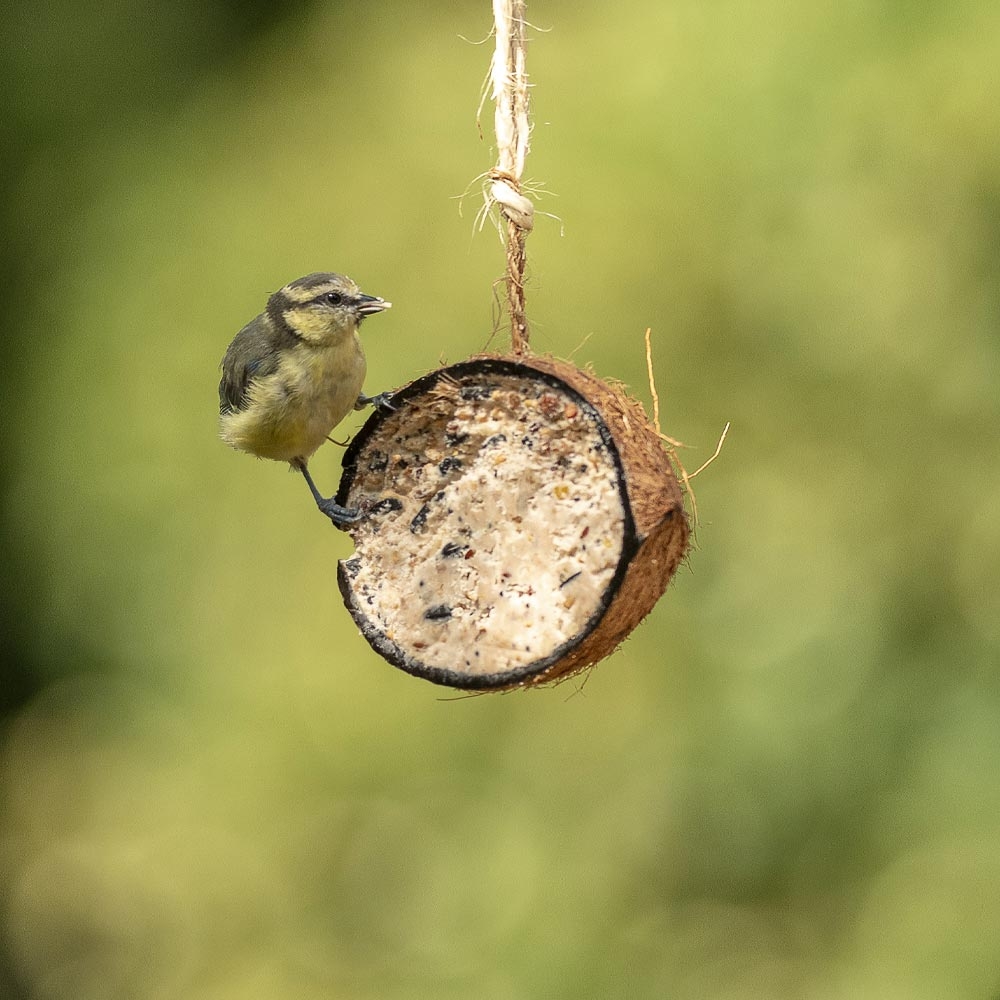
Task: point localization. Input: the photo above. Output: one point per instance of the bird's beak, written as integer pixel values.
(369, 304)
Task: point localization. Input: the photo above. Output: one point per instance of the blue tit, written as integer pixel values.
(294, 372)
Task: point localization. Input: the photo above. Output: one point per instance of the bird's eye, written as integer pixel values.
(334, 298)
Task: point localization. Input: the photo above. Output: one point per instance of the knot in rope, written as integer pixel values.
(506, 192)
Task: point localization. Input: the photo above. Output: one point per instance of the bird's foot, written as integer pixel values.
(380, 401)
(340, 516)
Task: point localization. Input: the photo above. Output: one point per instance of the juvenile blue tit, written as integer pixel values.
(294, 372)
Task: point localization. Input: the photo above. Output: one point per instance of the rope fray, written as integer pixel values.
(672, 444)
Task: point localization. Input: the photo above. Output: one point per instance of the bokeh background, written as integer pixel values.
(784, 785)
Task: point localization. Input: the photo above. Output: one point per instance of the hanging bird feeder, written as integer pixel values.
(521, 515)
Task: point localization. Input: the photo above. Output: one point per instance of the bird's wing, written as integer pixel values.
(252, 354)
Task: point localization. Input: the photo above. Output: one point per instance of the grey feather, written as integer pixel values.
(254, 353)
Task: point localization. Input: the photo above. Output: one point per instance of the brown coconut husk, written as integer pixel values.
(397, 570)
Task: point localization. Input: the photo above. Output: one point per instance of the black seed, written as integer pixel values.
(440, 612)
(449, 465)
(386, 506)
(453, 549)
(495, 440)
(420, 519)
(353, 567)
(453, 440)
(378, 462)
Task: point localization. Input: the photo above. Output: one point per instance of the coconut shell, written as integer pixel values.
(521, 517)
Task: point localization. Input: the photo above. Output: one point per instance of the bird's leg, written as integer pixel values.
(381, 401)
(340, 516)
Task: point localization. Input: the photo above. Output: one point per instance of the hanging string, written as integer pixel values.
(510, 91)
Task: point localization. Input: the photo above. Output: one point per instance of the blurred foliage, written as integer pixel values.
(783, 785)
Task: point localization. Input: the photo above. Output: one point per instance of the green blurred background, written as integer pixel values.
(784, 785)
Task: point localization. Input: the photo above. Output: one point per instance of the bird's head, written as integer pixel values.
(322, 308)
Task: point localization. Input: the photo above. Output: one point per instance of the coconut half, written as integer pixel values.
(521, 517)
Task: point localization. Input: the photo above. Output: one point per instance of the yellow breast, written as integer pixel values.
(292, 411)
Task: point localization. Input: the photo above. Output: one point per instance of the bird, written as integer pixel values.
(295, 371)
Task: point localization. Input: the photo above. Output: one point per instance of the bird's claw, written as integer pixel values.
(380, 401)
(340, 516)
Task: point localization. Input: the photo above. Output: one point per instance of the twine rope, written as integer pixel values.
(510, 91)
